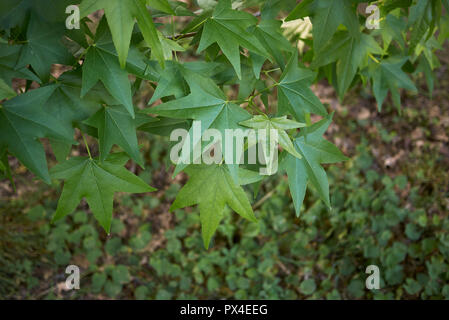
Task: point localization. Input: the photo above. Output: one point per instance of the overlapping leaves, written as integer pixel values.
(95, 97)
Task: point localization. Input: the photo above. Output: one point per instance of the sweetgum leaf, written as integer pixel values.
(97, 182)
(228, 28)
(212, 187)
(315, 150)
(22, 121)
(120, 15)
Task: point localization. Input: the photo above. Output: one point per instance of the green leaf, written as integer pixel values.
(388, 76)
(420, 19)
(211, 187)
(228, 28)
(43, 47)
(269, 34)
(302, 9)
(170, 82)
(168, 47)
(295, 96)
(97, 182)
(280, 125)
(314, 151)
(120, 15)
(164, 126)
(60, 149)
(115, 126)
(392, 28)
(307, 287)
(350, 53)
(22, 121)
(66, 104)
(248, 176)
(161, 5)
(8, 64)
(101, 65)
(136, 62)
(208, 104)
(6, 92)
(328, 15)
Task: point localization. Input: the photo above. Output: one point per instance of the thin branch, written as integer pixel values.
(182, 36)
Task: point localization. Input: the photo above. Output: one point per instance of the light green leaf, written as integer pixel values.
(208, 104)
(211, 187)
(280, 125)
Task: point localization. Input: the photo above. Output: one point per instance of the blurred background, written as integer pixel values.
(390, 208)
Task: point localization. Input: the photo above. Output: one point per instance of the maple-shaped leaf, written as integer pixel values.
(388, 76)
(315, 150)
(170, 82)
(43, 47)
(208, 104)
(279, 124)
(269, 33)
(66, 104)
(171, 79)
(120, 15)
(328, 15)
(96, 182)
(350, 52)
(101, 65)
(294, 93)
(115, 126)
(22, 121)
(212, 187)
(8, 64)
(229, 29)
(136, 62)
